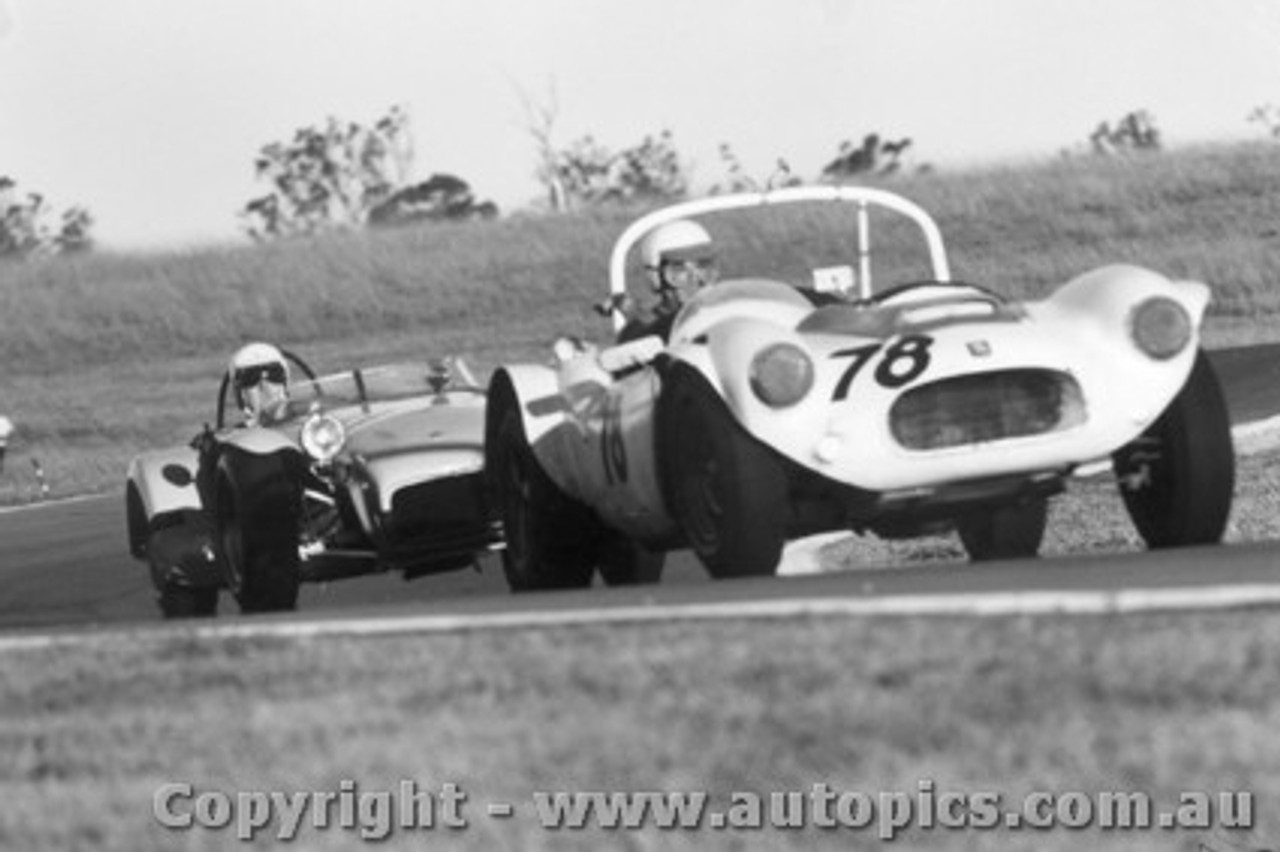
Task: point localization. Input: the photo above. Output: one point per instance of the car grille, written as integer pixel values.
(986, 407)
(438, 507)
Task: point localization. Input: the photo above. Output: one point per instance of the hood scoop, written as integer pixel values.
(886, 320)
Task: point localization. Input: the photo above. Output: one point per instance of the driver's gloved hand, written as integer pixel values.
(620, 302)
(203, 441)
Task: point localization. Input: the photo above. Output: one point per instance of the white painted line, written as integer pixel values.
(61, 501)
(987, 604)
(1257, 436)
(804, 555)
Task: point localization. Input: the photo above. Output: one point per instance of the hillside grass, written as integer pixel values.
(107, 355)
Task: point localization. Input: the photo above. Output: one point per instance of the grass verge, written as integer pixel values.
(1158, 704)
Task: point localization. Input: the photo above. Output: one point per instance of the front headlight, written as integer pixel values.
(1160, 327)
(781, 375)
(323, 437)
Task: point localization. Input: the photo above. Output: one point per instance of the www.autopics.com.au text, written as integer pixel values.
(413, 806)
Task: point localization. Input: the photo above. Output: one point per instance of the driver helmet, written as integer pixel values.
(260, 380)
(680, 258)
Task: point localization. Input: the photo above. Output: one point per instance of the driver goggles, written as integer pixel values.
(247, 377)
(682, 273)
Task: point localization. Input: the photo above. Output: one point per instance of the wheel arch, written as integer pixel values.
(749, 515)
(158, 484)
(698, 375)
(536, 392)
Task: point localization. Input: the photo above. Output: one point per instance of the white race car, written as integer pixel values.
(368, 470)
(774, 411)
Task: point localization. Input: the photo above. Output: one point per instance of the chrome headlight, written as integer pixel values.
(323, 436)
(1160, 327)
(781, 375)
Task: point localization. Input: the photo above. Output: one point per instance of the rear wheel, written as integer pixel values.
(183, 567)
(1177, 478)
(550, 537)
(727, 492)
(1009, 532)
(187, 602)
(256, 527)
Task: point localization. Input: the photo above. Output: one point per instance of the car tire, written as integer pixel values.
(183, 570)
(187, 602)
(1008, 532)
(257, 505)
(550, 536)
(726, 490)
(624, 562)
(1178, 478)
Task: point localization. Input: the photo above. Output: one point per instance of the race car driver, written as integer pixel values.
(259, 376)
(681, 259)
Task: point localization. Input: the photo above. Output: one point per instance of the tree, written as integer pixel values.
(440, 197)
(1135, 131)
(587, 173)
(1269, 117)
(591, 174)
(27, 224)
(875, 156)
(345, 174)
(540, 119)
(738, 180)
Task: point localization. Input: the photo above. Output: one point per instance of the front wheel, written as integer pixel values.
(1008, 532)
(727, 491)
(256, 527)
(1178, 477)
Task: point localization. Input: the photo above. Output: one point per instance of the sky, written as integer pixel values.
(150, 112)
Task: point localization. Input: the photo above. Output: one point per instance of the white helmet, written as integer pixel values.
(679, 240)
(258, 355)
(254, 362)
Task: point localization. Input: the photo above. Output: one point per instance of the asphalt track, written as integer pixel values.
(65, 565)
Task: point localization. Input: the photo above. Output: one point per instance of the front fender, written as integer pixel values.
(158, 483)
(724, 362)
(535, 391)
(1095, 311)
(1107, 295)
(165, 480)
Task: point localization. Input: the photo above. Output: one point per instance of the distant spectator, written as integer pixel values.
(6, 429)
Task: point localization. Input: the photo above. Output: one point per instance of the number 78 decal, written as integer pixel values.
(902, 362)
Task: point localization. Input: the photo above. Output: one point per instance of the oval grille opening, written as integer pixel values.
(986, 407)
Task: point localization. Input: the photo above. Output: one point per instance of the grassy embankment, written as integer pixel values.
(108, 355)
(1156, 703)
